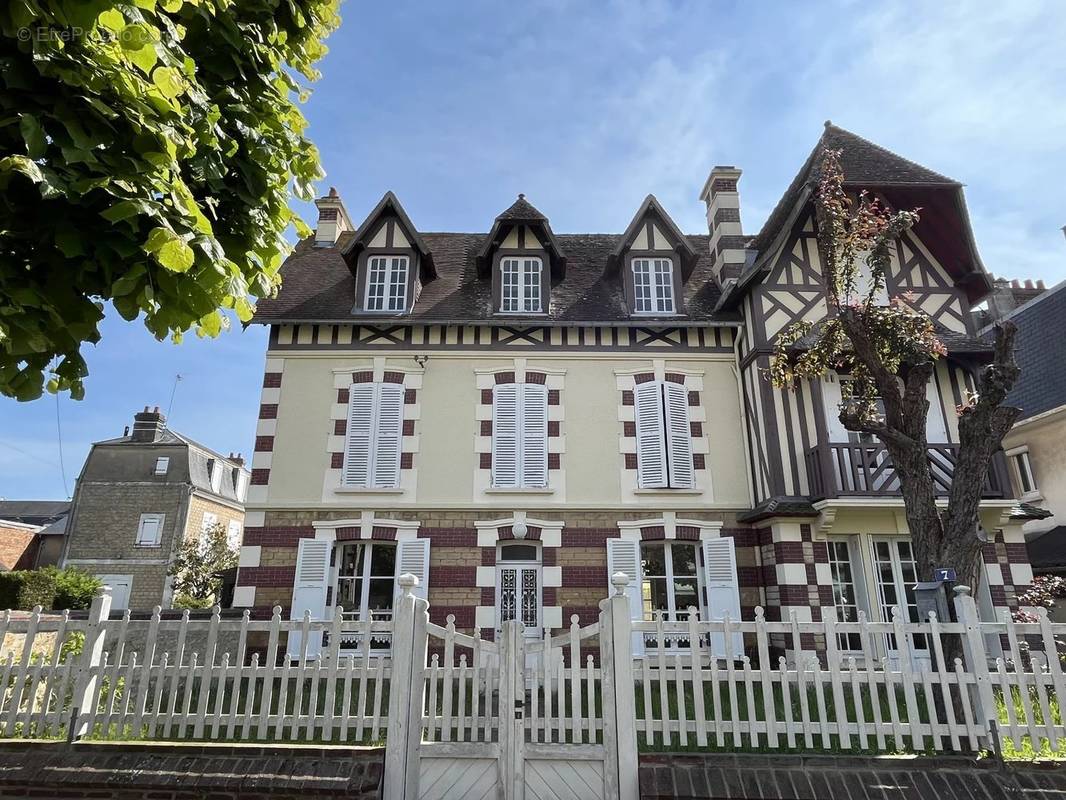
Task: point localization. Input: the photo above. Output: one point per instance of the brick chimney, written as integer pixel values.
(148, 425)
(723, 221)
(333, 220)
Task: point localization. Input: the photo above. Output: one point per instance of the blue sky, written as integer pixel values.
(586, 107)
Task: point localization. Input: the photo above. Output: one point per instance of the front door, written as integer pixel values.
(121, 585)
(518, 596)
(896, 574)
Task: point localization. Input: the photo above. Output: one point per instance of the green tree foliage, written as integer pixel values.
(24, 589)
(75, 588)
(148, 153)
(890, 352)
(198, 566)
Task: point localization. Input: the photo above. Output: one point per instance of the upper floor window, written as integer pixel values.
(162, 464)
(520, 285)
(374, 436)
(664, 438)
(150, 530)
(520, 436)
(653, 286)
(386, 283)
(1023, 472)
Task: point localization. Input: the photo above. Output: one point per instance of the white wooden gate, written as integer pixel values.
(512, 719)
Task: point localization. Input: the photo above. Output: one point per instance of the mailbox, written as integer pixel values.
(932, 596)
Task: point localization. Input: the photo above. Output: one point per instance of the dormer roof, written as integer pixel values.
(652, 208)
(389, 203)
(522, 212)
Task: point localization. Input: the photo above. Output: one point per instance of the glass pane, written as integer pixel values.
(383, 561)
(686, 594)
(655, 595)
(508, 600)
(381, 594)
(351, 560)
(653, 560)
(349, 593)
(684, 557)
(518, 552)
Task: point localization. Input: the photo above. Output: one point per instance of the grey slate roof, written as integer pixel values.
(1040, 350)
(34, 512)
(318, 286)
(1047, 550)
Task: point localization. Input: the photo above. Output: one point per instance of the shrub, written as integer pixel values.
(75, 588)
(182, 600)
(24, 589)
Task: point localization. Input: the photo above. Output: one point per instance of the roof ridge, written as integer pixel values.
(831, 127)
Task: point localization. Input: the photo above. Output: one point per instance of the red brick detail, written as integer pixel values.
(825, 596)
(549, 596)
(585, 577)
(382, 533)
(449, 537)
(533, 534)
(674, 377)
(653, 532)
(271, 380)
(342, 396)
(488, 596)
(553, 428)
(553, 397)
(788, 552)
(277, 537)
(627, 398)
(392, 377)
(723, 185)
(445, 575)
(488, 556)
(264, 444)
(805, 533)
(407, 460)
(749, 576)
(266, 576)
(362, 377)
(548, 556)
(742, 537)
(260, 477)
(336, 460)
(794, 595)
(347, 534)
(587, 537)
(695, 428)
(536, 377)
(503, 377)
(486, 427)
(554, 461)
(268, 411)
(485, 460)
(812, 576)
(644, 377)
(486, 397)
(693, 398)
(999, 595)
(1017, 553)
(340, 427)
(586, 615)
(821, 553)
(988, 553)
(688, 532)
(464, 616)
(629, 429)
(631, 460)
(410, 397)
(699, 461)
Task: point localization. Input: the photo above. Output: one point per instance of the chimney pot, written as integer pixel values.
(1028, 283)
(333, 219)
(1015, 284)
(1040, 285)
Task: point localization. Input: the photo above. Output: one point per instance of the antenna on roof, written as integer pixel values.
(173, 391)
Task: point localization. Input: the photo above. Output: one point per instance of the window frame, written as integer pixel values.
(1021, 467)
(364, 575)
(524, 292)
(860, 601)
(162, 465)
(521, 483)
(657, 281)
(672, 483)
(672, 612)
(396, 264)
(159, 519)
(373, 444)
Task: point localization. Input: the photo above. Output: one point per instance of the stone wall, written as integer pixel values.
(128, 771)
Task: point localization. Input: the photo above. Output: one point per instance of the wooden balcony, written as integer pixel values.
(858, 469)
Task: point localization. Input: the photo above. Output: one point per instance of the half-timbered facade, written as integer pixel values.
(514, 416)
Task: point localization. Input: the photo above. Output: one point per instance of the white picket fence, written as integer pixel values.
(226, 679)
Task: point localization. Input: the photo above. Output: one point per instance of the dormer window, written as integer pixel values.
(386, 284)
(653, 286)
(520, 284)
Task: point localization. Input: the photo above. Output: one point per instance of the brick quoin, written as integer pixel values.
(486, 397)
(260, 477)
(272, 380)
(631, 460)
(693, 398)
(627, 398)
(342, 396)
(264, 444)
(788, 552)
(340, 427)
(553, 397)
(410, 397)
(485, 460)
(486, 427)
(699, 461)
(268, 411)
(336, 460)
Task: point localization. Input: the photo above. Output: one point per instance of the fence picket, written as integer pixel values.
(786, 701)
(575, 679)
(696, 665)
(835, 665)
(945, 685)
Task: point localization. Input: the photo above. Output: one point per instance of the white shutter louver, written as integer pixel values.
(723, 593)
(309, 592)
(505, 432)
(534, 440)
(678, 436)
(413, 556)
(388, 436)
(651, 441)
(360, 434)
(623, 555)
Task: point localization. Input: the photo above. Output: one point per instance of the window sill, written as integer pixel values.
(519, 490)
(1031, 497)
(668, 491)
(366, 490)
(155, 546)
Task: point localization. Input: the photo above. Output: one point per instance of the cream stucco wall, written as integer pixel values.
(447, 443)
(1044, 436)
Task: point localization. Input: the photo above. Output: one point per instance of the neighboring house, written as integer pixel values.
(139, 497)
(513, 416)
(1036, 446)
(32, 532)
(1006, 297)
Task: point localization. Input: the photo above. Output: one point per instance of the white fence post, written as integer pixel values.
(87, 684)
(976, 658)
(621, 633)
(400, 682)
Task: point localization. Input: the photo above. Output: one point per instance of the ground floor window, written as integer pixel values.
(366, 579)
(846, 573)
(670, 582)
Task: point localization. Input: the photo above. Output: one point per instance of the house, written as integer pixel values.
(139, 497)
(1036, 445)
(32, 532)
(513, 416)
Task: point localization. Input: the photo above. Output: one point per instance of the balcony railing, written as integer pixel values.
(847, 469)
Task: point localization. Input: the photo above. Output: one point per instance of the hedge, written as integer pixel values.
(24, 589)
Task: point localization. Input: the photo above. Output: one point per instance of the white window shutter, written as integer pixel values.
(651, 441)
(623, 555)
(388, 436)
(505, 435)
(534, 440)
(357, 448)
(723, 592)
(413, 556)
(678, 436)
(309, 592)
